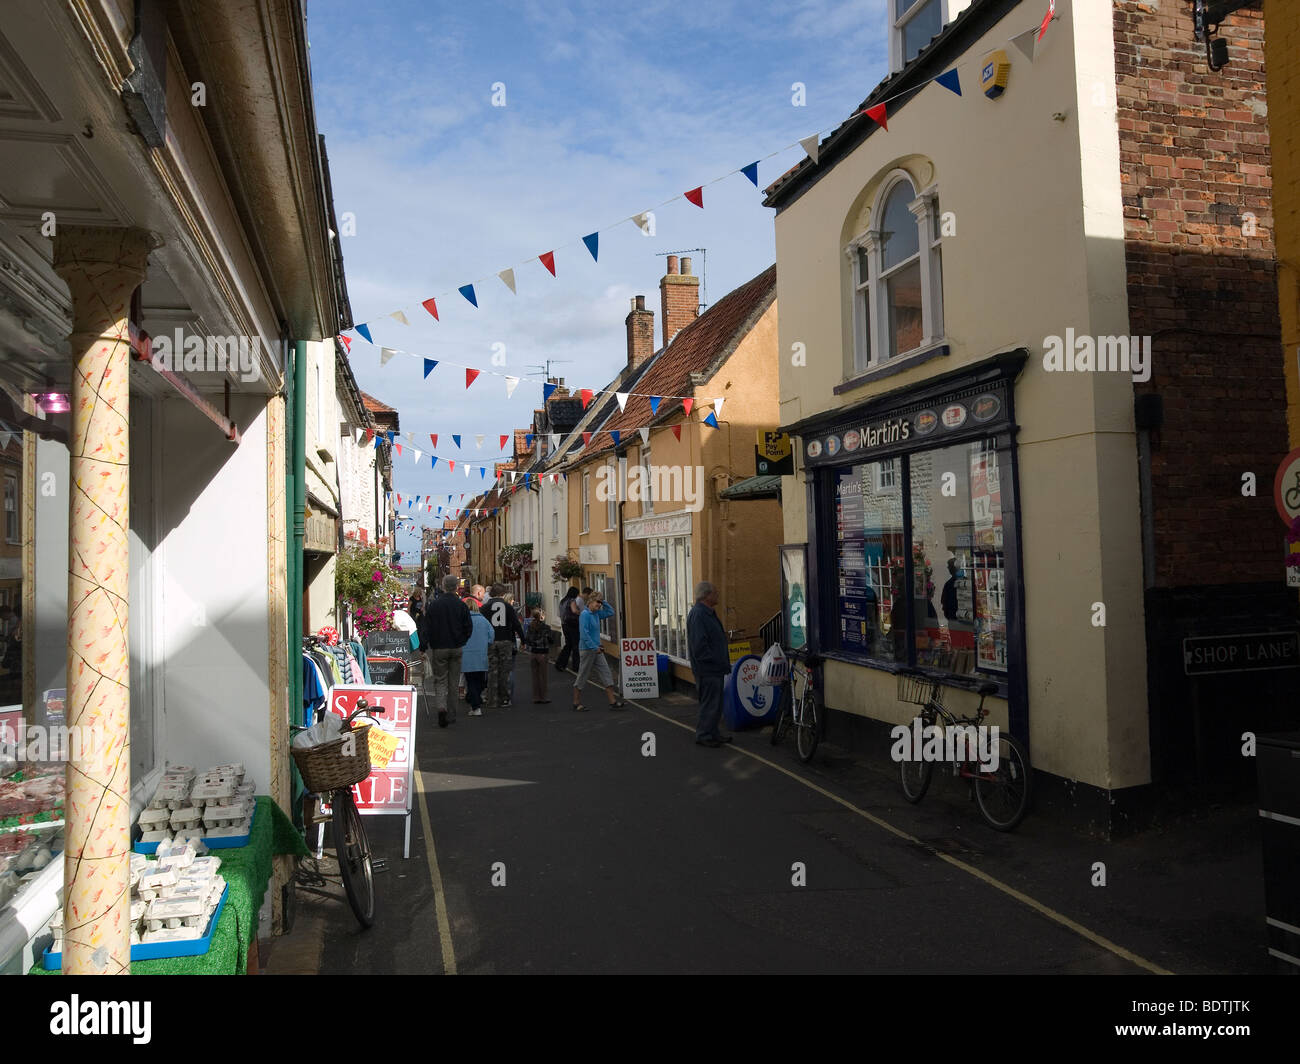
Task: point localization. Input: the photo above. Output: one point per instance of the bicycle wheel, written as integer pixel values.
(809, 727)
(1003, 795)
(915, 773)
(782, 718)
(353, 849)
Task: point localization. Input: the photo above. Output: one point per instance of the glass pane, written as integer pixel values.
(869, 548)
(920, 28)
(903, 291)
(899, 236)
(958, 552)
(902, 7)
(864, 267)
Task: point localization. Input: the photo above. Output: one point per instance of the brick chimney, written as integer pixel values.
(561, 392)
(680, 293)
(640, 333)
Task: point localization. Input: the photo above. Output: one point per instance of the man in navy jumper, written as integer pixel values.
(706, 643)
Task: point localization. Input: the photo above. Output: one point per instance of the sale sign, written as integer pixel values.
(640, 676)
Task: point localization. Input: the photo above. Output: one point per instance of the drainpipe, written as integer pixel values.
(298, 527)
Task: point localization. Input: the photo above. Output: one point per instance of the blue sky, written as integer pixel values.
(610, 110)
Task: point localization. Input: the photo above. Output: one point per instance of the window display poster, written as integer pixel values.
(986, 499)
(852, 559)
(794, 567)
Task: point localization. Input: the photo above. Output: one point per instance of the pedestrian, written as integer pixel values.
(478, 593)
(474, 662)
(509, 596)
(592, 658)
(538, 640)
(706, 643)
(505, 627)
(571, 607)
(445, 628)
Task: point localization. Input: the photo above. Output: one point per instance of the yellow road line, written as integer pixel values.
(997, 884)
(439, 898)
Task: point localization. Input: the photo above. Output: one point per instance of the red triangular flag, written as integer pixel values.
(470, 374)
(677, 431)
(586, 438)
(548, 260)
(503, 442)
(451, 465)
(586, 394)
(1051, 12)
(696, 196)
(431, 305)
(877, 115)
(370, 435)
(347, 343)
(686, 406)
(433, 438)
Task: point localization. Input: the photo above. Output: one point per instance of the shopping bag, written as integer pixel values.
(775, 666)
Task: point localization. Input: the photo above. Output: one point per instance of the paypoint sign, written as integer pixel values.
(640, 677)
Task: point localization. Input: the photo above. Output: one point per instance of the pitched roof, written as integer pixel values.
(714, 335)
(375, 406)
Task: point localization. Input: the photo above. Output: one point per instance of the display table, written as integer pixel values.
(247, 871)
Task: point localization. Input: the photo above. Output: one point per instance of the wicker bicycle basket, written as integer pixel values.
(916, 688)
(328, 767)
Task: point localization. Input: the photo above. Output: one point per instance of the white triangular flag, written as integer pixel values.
(622, 400)
(397, 315)
(418, 455)
(717, 405)
(478, 440)
(360, 434)
(555, 440)
(809, 144)
(1025, 42)
(410, 437)
(385, 353)
(468, 467)
(645, 436)
(511, 384)
(509, 277)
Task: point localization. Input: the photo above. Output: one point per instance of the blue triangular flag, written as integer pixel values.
(467, 290)
(592, 242)
(429, 363)
(527, 479)
(615, 434)
(655, 400)
(433, 461)
(456, 441)
(391, 435)
(547, 389)
(751, 172)
(364, 330)
(482, 472)
(711, 420)
(378, 441)
(948, 79)
(528, 439)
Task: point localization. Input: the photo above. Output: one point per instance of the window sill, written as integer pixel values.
(894, 667)
(892, 367)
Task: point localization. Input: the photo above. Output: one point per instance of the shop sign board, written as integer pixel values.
(596, 554)
(1242, 652)
(648, 527)
(774, 455)
(737, 649)
(751, 702)
(1286, 487)
(638, 669)
(390, 789)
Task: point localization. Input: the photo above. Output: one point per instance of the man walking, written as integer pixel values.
(501, 654)
(706, 643)
(444, 628)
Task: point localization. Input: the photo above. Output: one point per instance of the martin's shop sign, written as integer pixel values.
(1248, 652)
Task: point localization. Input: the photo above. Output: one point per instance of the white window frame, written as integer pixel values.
(670, 637)
(647, 483)
(887, 485)
(611, 504)
(871, 331)
(12, 502)
(898, 22)
(586, 503)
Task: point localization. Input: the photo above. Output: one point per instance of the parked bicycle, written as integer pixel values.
(800, 708)
(329, 772)
(1002, 792)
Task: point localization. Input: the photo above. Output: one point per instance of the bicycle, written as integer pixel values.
(800, 709)
(1002, 793)
(331, 769)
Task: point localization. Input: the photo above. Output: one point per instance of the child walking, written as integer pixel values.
(538, 640)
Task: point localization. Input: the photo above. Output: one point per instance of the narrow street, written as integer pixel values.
(682, 862)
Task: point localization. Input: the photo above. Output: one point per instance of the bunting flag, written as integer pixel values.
(347, 343)
(586, 394)
(622, 400)
(429, 363)
(586, 438)
(751, 172)
(548, 260)
(433, 437)
(467, 290)
(527, 479)
(711, 420)
(360, 433)
(809, 145)
(677, 431)
(471, 375)
(452, 467)
(467, 469)
(528, 440)
(398, 448)
(503, 443)
(379, 442)
(592, 240)
(555, 440)
(398, 316)
(686, 406)
(1025, 42)
(645, 436)
(1047, 18)
(511, 384)
(547, 389)
(418, 455)
(949, 80)
(717, 404)
(614, 433)
(508, 276)
(696, 196)
(431, 305)
(877, 115)
(482, 473)
(364, 330)
(456, 440)
(478, 440)
(641, 220)
(655, 400)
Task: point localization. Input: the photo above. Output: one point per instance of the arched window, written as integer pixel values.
(897, 276)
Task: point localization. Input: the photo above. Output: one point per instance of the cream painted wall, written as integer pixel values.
(1037, 249)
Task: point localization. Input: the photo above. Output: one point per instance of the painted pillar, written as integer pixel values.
(102, 268)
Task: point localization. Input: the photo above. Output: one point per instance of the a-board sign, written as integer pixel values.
(637, 667)
(388, 789)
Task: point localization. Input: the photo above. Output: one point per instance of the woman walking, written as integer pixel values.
(538, 639)
(570, 610)
(592, 658)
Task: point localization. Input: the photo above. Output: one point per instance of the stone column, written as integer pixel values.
(102, 268)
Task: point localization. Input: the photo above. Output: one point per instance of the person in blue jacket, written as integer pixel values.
(590, 656)
(706, 643)
(474, 661)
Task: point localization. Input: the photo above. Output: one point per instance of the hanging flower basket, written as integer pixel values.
(565, 568)
(515, 559)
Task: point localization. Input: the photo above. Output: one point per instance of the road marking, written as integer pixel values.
(439, 898)
(984, 877)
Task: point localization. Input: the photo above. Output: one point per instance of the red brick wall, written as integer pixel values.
(1194, 158)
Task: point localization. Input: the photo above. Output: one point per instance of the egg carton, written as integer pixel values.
(172, 934)
(184, 910)
(161, 835)
(216, 791)
(235, 769)
(158, 880)
(192, 837)
(153, 819)
(219, 815)
(186, 819)
(179, 851)
(235, 830)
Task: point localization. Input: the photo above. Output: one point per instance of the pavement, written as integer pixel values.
(545, 840)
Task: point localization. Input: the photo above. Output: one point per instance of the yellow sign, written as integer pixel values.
(382, 747)
(995, 73)
(738, 650)
(774, 454)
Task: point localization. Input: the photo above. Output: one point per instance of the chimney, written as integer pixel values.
(561, 392)
(680, 293)
(640, 333)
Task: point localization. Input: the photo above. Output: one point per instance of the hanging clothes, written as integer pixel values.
(340, 656)
(315, 688)
(359, 656)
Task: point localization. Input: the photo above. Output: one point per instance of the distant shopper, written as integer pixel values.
(444, 629)
(706, 643)
(474, 662)
(501, 654)
(478, 593)
(509, 596)
(592, 658)
(570, 613)
(538, 640)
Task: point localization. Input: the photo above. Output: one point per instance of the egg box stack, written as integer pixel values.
(217, 803)
(172, 898)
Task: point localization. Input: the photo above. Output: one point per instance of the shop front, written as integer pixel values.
(914, 536)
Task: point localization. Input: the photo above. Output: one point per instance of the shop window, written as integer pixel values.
(586, 502)
(611, 504)
(599, 583)
(647, 495)
(914, 24)
(671, 590)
